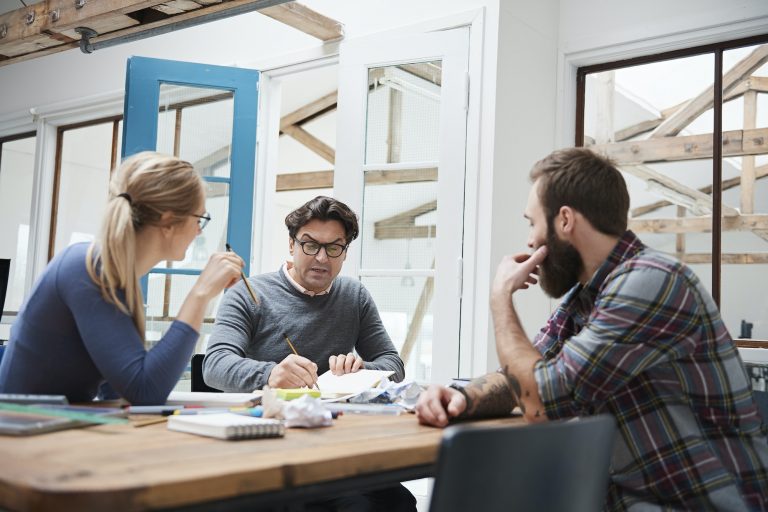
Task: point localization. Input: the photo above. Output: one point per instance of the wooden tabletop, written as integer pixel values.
(123, 467)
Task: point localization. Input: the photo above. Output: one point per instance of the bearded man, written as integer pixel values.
(637, 336)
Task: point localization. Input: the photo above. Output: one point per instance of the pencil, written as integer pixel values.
(247, 284)
(293, 349)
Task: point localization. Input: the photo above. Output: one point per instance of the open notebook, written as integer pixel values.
(227, 425)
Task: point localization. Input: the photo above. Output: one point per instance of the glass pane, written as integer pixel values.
(406, 311)
(196, 124)
(17, 164)
(86, 155)
(165, 295)
(745, 239)
(640, 117)
(403, 113)
(214, 236)
(399, 225)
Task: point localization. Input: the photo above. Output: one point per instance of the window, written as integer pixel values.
(17, 155)
(689, 131)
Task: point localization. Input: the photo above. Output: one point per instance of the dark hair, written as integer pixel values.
(323, 208)
(587, 182)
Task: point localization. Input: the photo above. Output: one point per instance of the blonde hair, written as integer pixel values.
(145, 186)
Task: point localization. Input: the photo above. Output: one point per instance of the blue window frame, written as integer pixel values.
(144, 78)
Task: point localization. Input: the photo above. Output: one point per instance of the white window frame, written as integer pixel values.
(476, 349)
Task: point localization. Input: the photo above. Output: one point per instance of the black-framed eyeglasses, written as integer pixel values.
(202, 220)
(310, 248)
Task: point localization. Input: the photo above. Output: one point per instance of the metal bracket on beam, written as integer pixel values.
(85, 38)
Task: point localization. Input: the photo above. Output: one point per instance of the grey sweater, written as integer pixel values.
(247, 339)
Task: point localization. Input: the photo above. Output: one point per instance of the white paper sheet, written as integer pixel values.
(350, 383)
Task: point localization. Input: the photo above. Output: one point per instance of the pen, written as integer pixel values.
(293, 349)
(245, 280)
(153, 409)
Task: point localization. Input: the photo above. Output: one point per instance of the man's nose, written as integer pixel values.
(321, 255)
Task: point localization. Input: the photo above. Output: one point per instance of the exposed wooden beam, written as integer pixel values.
(605, 89)
(422, 307)
(53, 19)
(311, 142)
(430, 71)
(760, 172)
(310, 110)
(400, 176)
(689, 147)
(694, 108)
(304, 180)
(646, 126)
(60, 15)
(748, 162)
(324, 179)
(762, 233)
(403, 225)
(699, 224)
(697, 202)
(305, 19)
(747, 258)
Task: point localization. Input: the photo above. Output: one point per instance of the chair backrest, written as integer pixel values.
(553, 466)
(5, 269)
(761, 397)
(198, 384)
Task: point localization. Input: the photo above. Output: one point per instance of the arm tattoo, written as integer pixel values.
(514, 388)
(487, 398)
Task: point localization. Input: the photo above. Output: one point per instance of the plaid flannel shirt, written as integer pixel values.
(643, 340)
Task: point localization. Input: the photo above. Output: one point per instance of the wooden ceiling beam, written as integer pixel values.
(694, 108)
(310, 110)
(702, 224)
(760, 172)
(324, 179)
(311, 142)
(689, 147)
(61, 15)
(645, 126)
(55, 17)
(697, 202)
(303, 18)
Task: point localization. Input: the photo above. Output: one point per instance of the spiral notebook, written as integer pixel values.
(227, 425)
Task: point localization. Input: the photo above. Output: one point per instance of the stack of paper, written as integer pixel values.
(350, 383)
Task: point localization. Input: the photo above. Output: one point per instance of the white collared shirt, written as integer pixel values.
(289, 265)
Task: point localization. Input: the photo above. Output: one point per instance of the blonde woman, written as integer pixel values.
(83, 323)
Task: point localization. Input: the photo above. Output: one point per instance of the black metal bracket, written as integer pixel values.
(85, 38)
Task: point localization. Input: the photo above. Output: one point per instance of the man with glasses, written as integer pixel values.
(307, 320)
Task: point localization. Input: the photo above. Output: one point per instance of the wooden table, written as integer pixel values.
(121, 467)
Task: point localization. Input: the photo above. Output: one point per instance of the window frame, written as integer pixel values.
(716, 49)
(5, 139)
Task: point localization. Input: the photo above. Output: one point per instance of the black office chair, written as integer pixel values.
(5, 270)
(198, 384)
(552, 466)
(761, 397)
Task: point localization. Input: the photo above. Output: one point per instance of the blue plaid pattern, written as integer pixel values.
(643, 340)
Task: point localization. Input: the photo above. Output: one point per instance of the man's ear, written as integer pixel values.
(290, 245)
(566, 220)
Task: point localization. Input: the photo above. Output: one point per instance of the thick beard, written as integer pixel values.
(560, 271)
